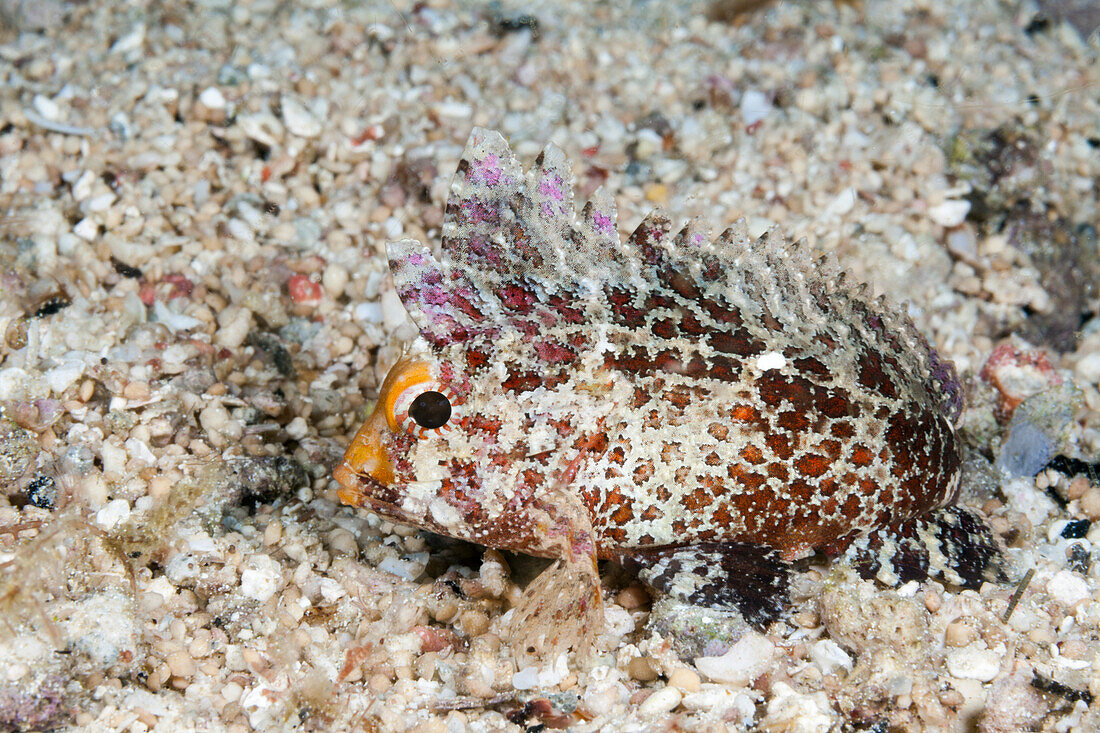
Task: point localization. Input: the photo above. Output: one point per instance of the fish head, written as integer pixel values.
(471, 426)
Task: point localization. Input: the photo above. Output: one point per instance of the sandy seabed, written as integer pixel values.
(195, 314)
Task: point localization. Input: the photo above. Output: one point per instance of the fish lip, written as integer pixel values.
(362, 491)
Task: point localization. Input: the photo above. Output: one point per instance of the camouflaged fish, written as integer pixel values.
(703, 412)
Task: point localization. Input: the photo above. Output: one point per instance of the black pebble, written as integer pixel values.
(1076, 529)
(42, 492)
(51, 306)
(125, 270)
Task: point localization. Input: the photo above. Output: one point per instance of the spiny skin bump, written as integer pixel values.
(616, 398)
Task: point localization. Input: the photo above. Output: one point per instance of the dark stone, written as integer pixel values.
(1045, 684)
(42, 491)
(52, 306)
(1083, 15)
(263, 479)
(1075, 467)
(125, 270)
(1008, 177)
(1076, 529)
(1065, 259)
(1078, 558)
(503, 23)
(270, 345)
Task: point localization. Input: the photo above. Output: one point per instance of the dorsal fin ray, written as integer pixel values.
(442, 302)
(515, 257)
(485, 225)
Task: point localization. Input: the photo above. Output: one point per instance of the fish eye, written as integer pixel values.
(430, 410)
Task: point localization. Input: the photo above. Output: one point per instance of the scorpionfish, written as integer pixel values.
(701, 411)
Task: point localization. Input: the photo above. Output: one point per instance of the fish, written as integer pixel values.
(704, 411)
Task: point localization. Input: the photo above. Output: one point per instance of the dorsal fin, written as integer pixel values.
(445, 306)
(515, 258)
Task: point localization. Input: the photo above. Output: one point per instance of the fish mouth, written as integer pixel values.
(366, 475)
(364, 492)
(365, 459)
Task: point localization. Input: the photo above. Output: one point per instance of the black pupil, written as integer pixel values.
(430, 410)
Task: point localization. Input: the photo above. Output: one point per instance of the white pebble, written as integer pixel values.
(369, 312)
(407, 568)
(99, 203)
(235, 325)
(754, 107)
(113, 457)
(110, 516)
(963, 243)
(82, 188)
(46, 107)
(791, 710)
(974, 662)
(140, 451)
(298, 119)
(297, 428)
(174, 321)
(264, 128)
(393, 312)
(909, 589)
(240, 230)
(829, 657)
(454, 110)
(62, 377)
(331, 590)
(649, 143)
(214, 418)
(844, 202)
(1088, 369)
(526, 678)
(132, 41)
(212, 98)
(1023, 497)
(555, 673)
(334, 280)
(660, 702)
(393, 228)
(618, 621)
(260, 578)
(182, 568)
(86, 229)
(745, 661)
(1067, 588)
(18, 384)
(854, 139)
(201, 542)
(950, 213)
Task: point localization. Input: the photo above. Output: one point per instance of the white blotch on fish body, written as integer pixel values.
(770, 360)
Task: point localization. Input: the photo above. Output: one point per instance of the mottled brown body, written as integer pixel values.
(632, 399)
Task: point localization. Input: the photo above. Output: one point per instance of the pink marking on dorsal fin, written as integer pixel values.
(505, 232)
(486, 232)
(649, 238)
(445, 307)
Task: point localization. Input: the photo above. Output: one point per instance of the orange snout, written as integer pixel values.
(366, 457)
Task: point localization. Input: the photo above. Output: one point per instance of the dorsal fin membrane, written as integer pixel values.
(486, 231)
(444, 305)
(516, 258)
